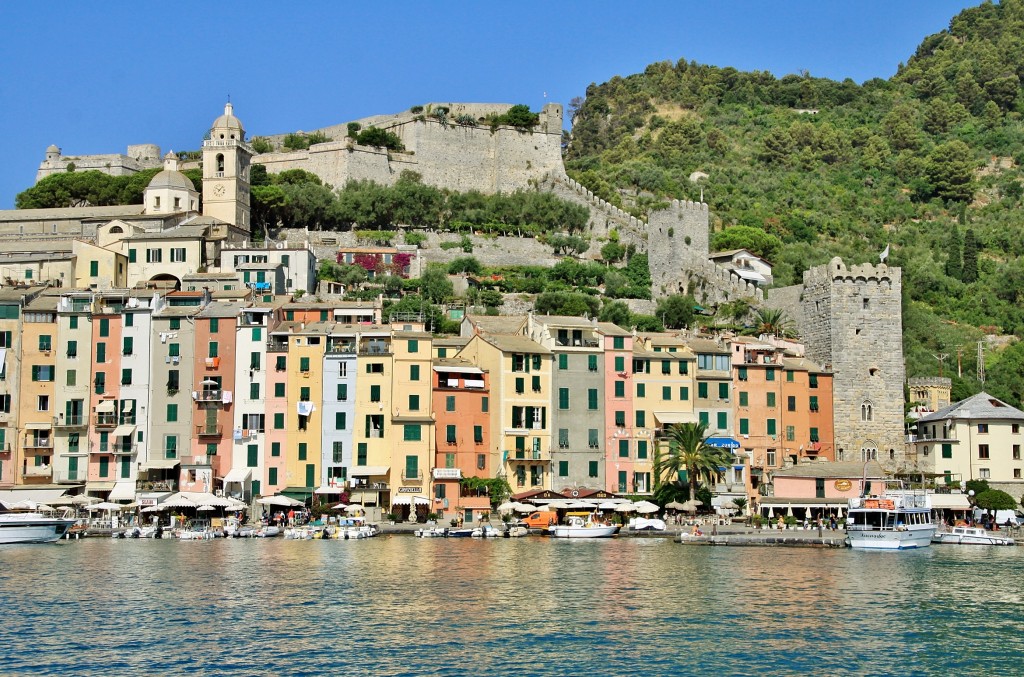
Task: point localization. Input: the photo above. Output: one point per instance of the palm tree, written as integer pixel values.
(690, 452)
(774, 322)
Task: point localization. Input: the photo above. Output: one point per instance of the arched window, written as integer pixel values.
(868, 454)
(220, 163)
(116, 230)
(866, 413)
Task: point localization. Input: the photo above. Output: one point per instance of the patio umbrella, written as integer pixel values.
(789, 511)
(354, 508)
(507, 506)
(771, 512)
(153, 508)
(646, 507)
(839, 512)
(340, 506)
(106, 506)
(208, 382)
(608, 505)
(675, 505)
(205, 508)
(82, 499)
(279, 500)
(179, 501)
(692, 505)
(625, 507)
(523, 507)
(560, 505)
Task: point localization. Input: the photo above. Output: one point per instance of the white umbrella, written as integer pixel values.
(789, 511)
(560, 505)
(205, 508)
(608, 505)
(179, 500)
(329, 490)
(355, 507)
(646, 507)
(692, 505)
(82, 499)
(279, 500)
(586, 505)
(625, 507)
(215, 501)
(208, 382)
(840, 511)
(340, 506)
(106, 506)
(235, 504)
(675, 505)
(153, 508)
(771, 512)
(523, 507)
(506, 506)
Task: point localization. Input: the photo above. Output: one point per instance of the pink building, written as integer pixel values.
(818, 488)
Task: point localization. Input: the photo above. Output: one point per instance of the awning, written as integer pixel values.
(122, 491)
(670, 417)
(408, 499)
(751, 275)
(322, 490)
(99, 486)
(369, 470)
(298, 493)
(37, 426)
(722, 442)
(104, 407)
(3, 358)
(160, 464)
(949, 502)
(238, 475)
(474, 383)
(124, 430)
(34, 495)
(127, 406)
(460, 370)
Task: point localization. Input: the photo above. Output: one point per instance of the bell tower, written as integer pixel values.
(226, 160)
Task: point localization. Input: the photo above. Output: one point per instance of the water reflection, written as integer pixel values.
(398, 605)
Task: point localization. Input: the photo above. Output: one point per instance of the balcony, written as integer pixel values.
(527, 455)
(277, 346)
(208, 395)
(412, 477)
(158, 485)
(38, 443)
(73, 421)
(38, 471)
(105, 420)
(125, 449)
(209, 430)
(341, 348)
(374, 348)
(68, 477)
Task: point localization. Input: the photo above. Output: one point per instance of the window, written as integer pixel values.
(865, 412)
(275, 449)
(684, 393)
(770, 399)
(303, 449)
(72, 377)
(723, 420)
(814, 403)
(42, 372)
(704, 417)
(100, 383)
(620, 364)
(449, 460)
(536, 384)
(563, 398)
(214, 325)
(414, 372)
(478, 434)
(814, 434)
(666, 393)
(592, 469)
(592, 399)
(361, 453)
(984, 473)
(43, 403)
(947, 450)
(72, 349)
(278, 390)
(563, 362)
(618, 343)
(742, 373)
(666, 367)
(983, 428)
(254, 361)
(813, 380)
(45, 344)
(1015, 428)
(983, 451)
(94, 268)
(449, 403)
(414, 345)
(214, 349)
(1016, 452)
(411, 432)
(304, 394)
(744, 426)
(563, 468)
(375, 368)
(770, 426)
(769, 374)
(101, 353)
(154, 256)
(174, 349)
(592, 362)
(304, 364)
(789, 375)
(563, 438)
(279, 421)
(340, 420)
(412, 467)
(791, 403)
(375, 393)
(641, 418)
(414, 402)
(623, 448)
(592, 438)
(620, 419)
(723, 391)
(641, 390)
(744, 398)
(281, 364)
(790, 433)
(520, 386)
(769, 458)
(620, 388)
(702, 390)
(126, 377)
(484, 404)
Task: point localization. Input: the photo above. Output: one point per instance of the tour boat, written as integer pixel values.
(971, 536)
(898, 521)
(31, 527)
(577, 527)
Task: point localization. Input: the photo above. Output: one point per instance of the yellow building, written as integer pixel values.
(34, 451)
(520, 384)
(98, 268)
(374, 437)
(305, 407)
(411, 408)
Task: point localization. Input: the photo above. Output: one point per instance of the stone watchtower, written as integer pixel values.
(226, 160)
(852, 324)
(677, 243)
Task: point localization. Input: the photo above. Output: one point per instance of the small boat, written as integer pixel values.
(196, 530)
(268, 531)
(646, 524)
(459, 533)
(485, 531)
(361, 531)
(432, 532)
(32, 527)
(577, 527)
(516, 531)
(971, 536)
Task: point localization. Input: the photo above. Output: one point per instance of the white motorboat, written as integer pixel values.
(432, 532)
(899, 520)
(360, 531)
(32, 527)
(971, 536)
(515, 531)
(577, 527)
(485, 531)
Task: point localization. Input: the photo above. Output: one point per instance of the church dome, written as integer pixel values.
(227, 126)
(169, 178)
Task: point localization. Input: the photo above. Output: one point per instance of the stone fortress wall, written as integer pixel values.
(851, 323)
(138, 157)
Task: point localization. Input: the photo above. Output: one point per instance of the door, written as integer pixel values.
(311, 475)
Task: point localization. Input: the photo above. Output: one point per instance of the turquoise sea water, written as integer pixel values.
(403, 606)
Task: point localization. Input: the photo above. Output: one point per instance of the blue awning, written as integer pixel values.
(722, 442)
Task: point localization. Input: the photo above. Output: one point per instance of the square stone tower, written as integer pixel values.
(852, 324)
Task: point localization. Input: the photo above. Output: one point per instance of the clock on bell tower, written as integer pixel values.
(226, 160)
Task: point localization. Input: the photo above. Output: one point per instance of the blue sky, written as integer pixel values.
(96, 81)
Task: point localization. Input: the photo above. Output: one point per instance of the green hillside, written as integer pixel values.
(802, 169)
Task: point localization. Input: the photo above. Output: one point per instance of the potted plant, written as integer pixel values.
(790, 522)
(391, 517)
(757, 521)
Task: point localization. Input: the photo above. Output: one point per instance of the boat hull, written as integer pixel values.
(971, 537)
(32, 529)
(908, 539)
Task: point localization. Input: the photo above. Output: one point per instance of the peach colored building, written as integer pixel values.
(819, 488)
(462, 426)
(37, 403)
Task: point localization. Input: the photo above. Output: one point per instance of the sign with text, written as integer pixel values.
(410, 490)
(447, 473)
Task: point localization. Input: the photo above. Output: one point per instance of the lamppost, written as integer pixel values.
(970, 501)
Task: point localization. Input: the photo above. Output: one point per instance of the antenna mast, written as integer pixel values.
(981, 361)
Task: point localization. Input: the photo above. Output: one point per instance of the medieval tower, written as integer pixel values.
(852, 324)
(226, 160)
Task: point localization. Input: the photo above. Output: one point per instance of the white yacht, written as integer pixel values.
(971, 536)
(897, 519)
(31, 527)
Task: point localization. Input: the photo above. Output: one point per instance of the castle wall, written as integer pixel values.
(140, 157)
(852, 324)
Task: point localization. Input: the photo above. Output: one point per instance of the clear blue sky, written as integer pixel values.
(95, 78)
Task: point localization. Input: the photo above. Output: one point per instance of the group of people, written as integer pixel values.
(287, 519)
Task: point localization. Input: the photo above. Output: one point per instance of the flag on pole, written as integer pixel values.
(884, 255)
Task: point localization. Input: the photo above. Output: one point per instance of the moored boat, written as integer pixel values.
(577, 527)
(971, 536)
(31, 527)
(899, 520)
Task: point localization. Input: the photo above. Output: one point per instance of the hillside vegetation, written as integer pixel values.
(801, 169)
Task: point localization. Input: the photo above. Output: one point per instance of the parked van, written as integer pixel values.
(540, 519)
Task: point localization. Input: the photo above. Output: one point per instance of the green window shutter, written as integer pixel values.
(271, 475)
(129, 345)
(254, 391)
(278, 390)
(104, 466)
(744, 398)
(723, 420)
(72, 348)
(563, 361)
(414, 346)
(35, 372)
(340, 420)
(342, 392)
(592, 362)
(442, 352)
(618, 343)
(814, 434)
(771, 426)
(311, 474)
(484, 404)
(536, 383)
(812, 380)
(520, 385)
(94, 268)
(275, 450)
(478, 434)
(174, 349)
(641, 390)
(304, 394)
(684, 367)
(126, 377)
(72, 377)
(414, 372)
(104, 327)
(411, 432)
(702, 390)
(304, 364)
(563, 398)
(666, 367)
(723, 391)
(592, 399)
(814, 402)
(214, 349)
(623, 448)
(279, 421)
(704, 417)
(252, 456)
(744, 426)
(592, 469)
(620, 364)
(641, 418)
(414, 402)
(791, 403)
(254, 360)
(174, 323)
(375, 393)
(257, 333)
(790, 433)
(214, 325)
(769, 374)
(592, 438)
(101, 352)
(620, 419)
(451, 434)
(302, 451)
(132, 255)
(684, 393)
(361, 453)
(641, 449)
(449, 403)
(282, 363)
(412, 466)
(947, 450)
(563, 468)
(620, 388)
(789, 375)
(666, 392)
(769, 399)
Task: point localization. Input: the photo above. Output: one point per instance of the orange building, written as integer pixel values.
(462, 424)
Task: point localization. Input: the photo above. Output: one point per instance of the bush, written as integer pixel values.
(415, 239)
(261, 145)
(379, 138)
(295, 142)
(353, 129)
(415, 110)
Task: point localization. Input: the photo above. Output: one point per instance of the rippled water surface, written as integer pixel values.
(404, 606)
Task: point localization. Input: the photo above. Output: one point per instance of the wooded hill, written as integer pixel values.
(801, 169)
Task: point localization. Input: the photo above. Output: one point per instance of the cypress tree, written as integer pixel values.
(971, 245)
(954, 264)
